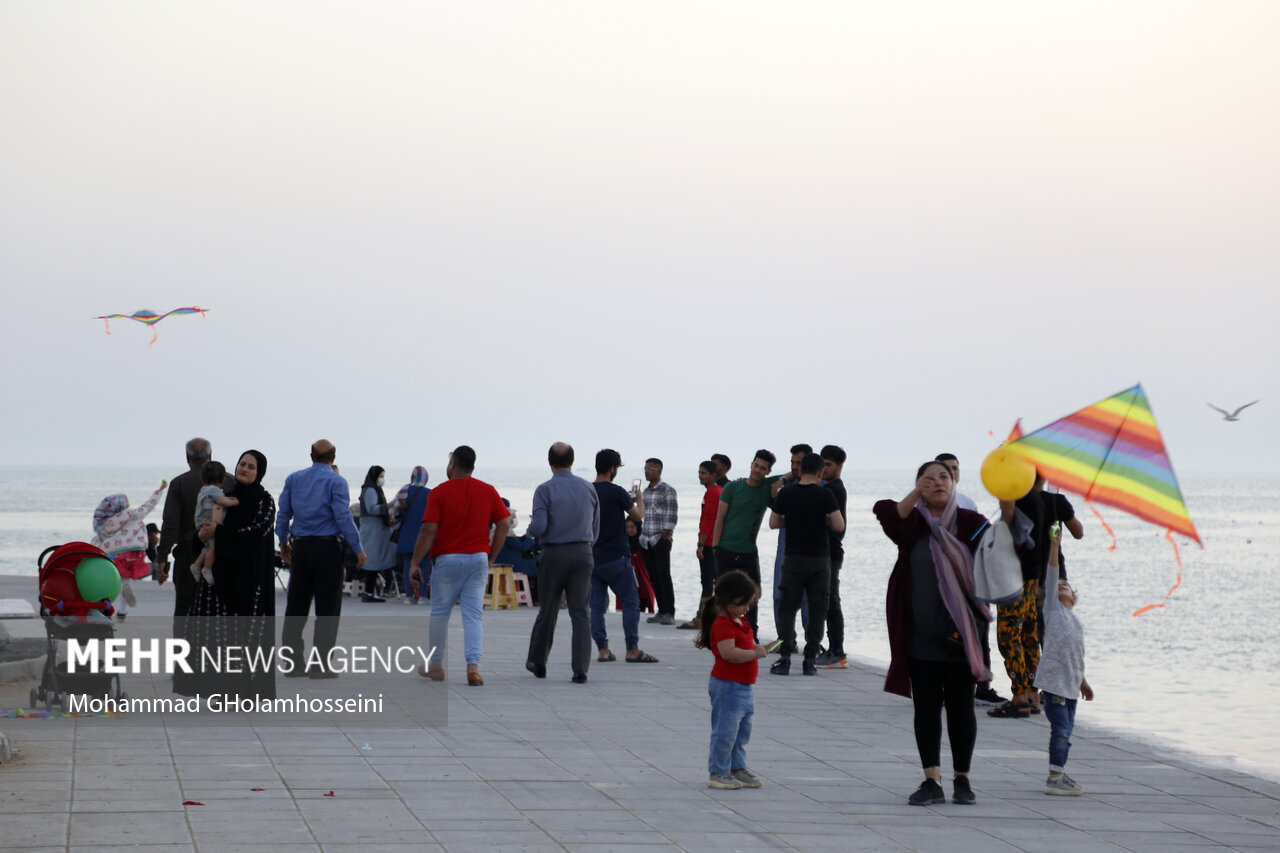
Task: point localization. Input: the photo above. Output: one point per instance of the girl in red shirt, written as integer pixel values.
(729, 636)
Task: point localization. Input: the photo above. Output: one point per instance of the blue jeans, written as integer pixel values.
(460, 578)
(1061, 714)
(619, 576)
(406, 586)
(732, 706)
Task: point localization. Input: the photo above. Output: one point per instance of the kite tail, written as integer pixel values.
(1168, 534)
(1107, 527)
(107, 323)
(155, 336)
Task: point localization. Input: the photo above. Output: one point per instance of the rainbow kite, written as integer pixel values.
(151, 318)
(1112, 453)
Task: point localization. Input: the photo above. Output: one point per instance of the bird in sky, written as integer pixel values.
(1231, 416)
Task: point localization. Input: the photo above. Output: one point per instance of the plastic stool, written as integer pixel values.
(523, 596)
(500, 592)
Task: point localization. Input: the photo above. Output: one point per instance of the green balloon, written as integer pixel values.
(97, 579)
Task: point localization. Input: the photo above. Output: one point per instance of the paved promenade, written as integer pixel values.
(616, 764)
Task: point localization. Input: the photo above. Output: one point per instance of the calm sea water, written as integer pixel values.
(1201, 675)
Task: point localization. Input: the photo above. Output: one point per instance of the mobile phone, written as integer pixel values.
(635, 485)
(774, 646)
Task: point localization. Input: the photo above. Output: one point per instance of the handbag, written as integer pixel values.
(997, 571)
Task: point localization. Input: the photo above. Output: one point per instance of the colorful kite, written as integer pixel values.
(151, 318)
(1112, 453)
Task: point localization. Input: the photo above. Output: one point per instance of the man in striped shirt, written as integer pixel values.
(655, 540)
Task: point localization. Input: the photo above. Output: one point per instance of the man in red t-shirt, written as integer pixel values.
(708, 473)
(455, 531)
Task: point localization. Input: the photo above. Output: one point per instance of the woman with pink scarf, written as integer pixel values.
(935, 636)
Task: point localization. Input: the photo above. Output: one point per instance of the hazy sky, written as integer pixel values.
(670, 228)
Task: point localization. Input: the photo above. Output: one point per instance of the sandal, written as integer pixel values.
(606, 657)
(691, 625)
(643, 657)
(1008, 711)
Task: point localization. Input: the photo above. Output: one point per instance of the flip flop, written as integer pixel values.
(688, 626)
(644, 657)
(603, 659)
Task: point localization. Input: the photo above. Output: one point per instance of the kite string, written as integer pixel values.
(1168, 534)
(1107, 527)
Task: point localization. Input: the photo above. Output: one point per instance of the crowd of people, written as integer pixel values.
(593, 538)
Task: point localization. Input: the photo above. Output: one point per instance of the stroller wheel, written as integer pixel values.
(35, 697)
(48, 701)
(123, 696)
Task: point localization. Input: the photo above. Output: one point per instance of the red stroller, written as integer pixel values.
(65, 616)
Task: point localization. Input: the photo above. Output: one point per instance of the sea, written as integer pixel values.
(1200, 675)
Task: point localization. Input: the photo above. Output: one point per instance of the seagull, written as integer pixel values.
(1231, 416)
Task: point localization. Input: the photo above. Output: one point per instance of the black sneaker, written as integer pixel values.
(929, 793)
(809, 667)
(987, 696)
(961, 792)
(782, 666)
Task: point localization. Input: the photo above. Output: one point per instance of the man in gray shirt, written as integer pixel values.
(566, 522)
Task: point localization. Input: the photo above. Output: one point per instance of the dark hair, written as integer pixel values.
(711, 467)
(735, 587)
(562, 458)
(653, 460)
(811, 464)
(326, 458)
(213, 473)
(723, 460)
(766, 456)
(920, 471)
(607, 459)
(946, 457)
(464, 458)
(800, 448)
(834, 454)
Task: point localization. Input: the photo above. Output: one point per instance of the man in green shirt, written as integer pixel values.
(742, 507)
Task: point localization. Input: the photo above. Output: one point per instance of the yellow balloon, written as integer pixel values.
(1007, 475)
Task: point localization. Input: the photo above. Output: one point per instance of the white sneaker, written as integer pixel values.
(1063, 786)
(127, 589)
(207, 574)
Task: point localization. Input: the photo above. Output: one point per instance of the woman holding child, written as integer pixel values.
(236, 608)
(936, 627)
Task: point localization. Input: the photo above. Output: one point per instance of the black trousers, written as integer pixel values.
(835, 613)
(184, 586)
(728, 561)
(707, 569)
(803, 576)
(657, 559)
(316, 575)
(935, 684)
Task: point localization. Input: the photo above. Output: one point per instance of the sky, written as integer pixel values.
(668, 228)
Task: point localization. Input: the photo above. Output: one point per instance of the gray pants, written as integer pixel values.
(563, 569)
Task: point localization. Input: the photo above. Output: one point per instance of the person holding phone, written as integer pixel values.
(612, 555)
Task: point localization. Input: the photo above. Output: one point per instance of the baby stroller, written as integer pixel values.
(67, 616)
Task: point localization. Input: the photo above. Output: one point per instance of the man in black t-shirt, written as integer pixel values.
(612, 555)
(808, 512)
(834, 657)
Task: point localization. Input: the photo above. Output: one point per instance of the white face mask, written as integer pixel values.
(382, 481)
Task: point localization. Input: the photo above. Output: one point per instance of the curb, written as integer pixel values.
(16, 670)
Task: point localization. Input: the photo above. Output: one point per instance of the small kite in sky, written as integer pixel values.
(1231, 416)
(151, 318)
(1112, 453)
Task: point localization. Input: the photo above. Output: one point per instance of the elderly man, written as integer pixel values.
(566, 521)
(314, 519)
(178, 530)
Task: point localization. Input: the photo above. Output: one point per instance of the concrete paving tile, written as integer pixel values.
(555, 819)
(214, 846)
(380, 847)
(136, 848)
(34, 830)
(552, 795)
(125, 828)
(518, 841)
(35, 802)
(423, 770)
(519, 770)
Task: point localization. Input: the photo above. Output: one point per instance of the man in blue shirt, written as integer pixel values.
(566, 520)
(313, 521)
